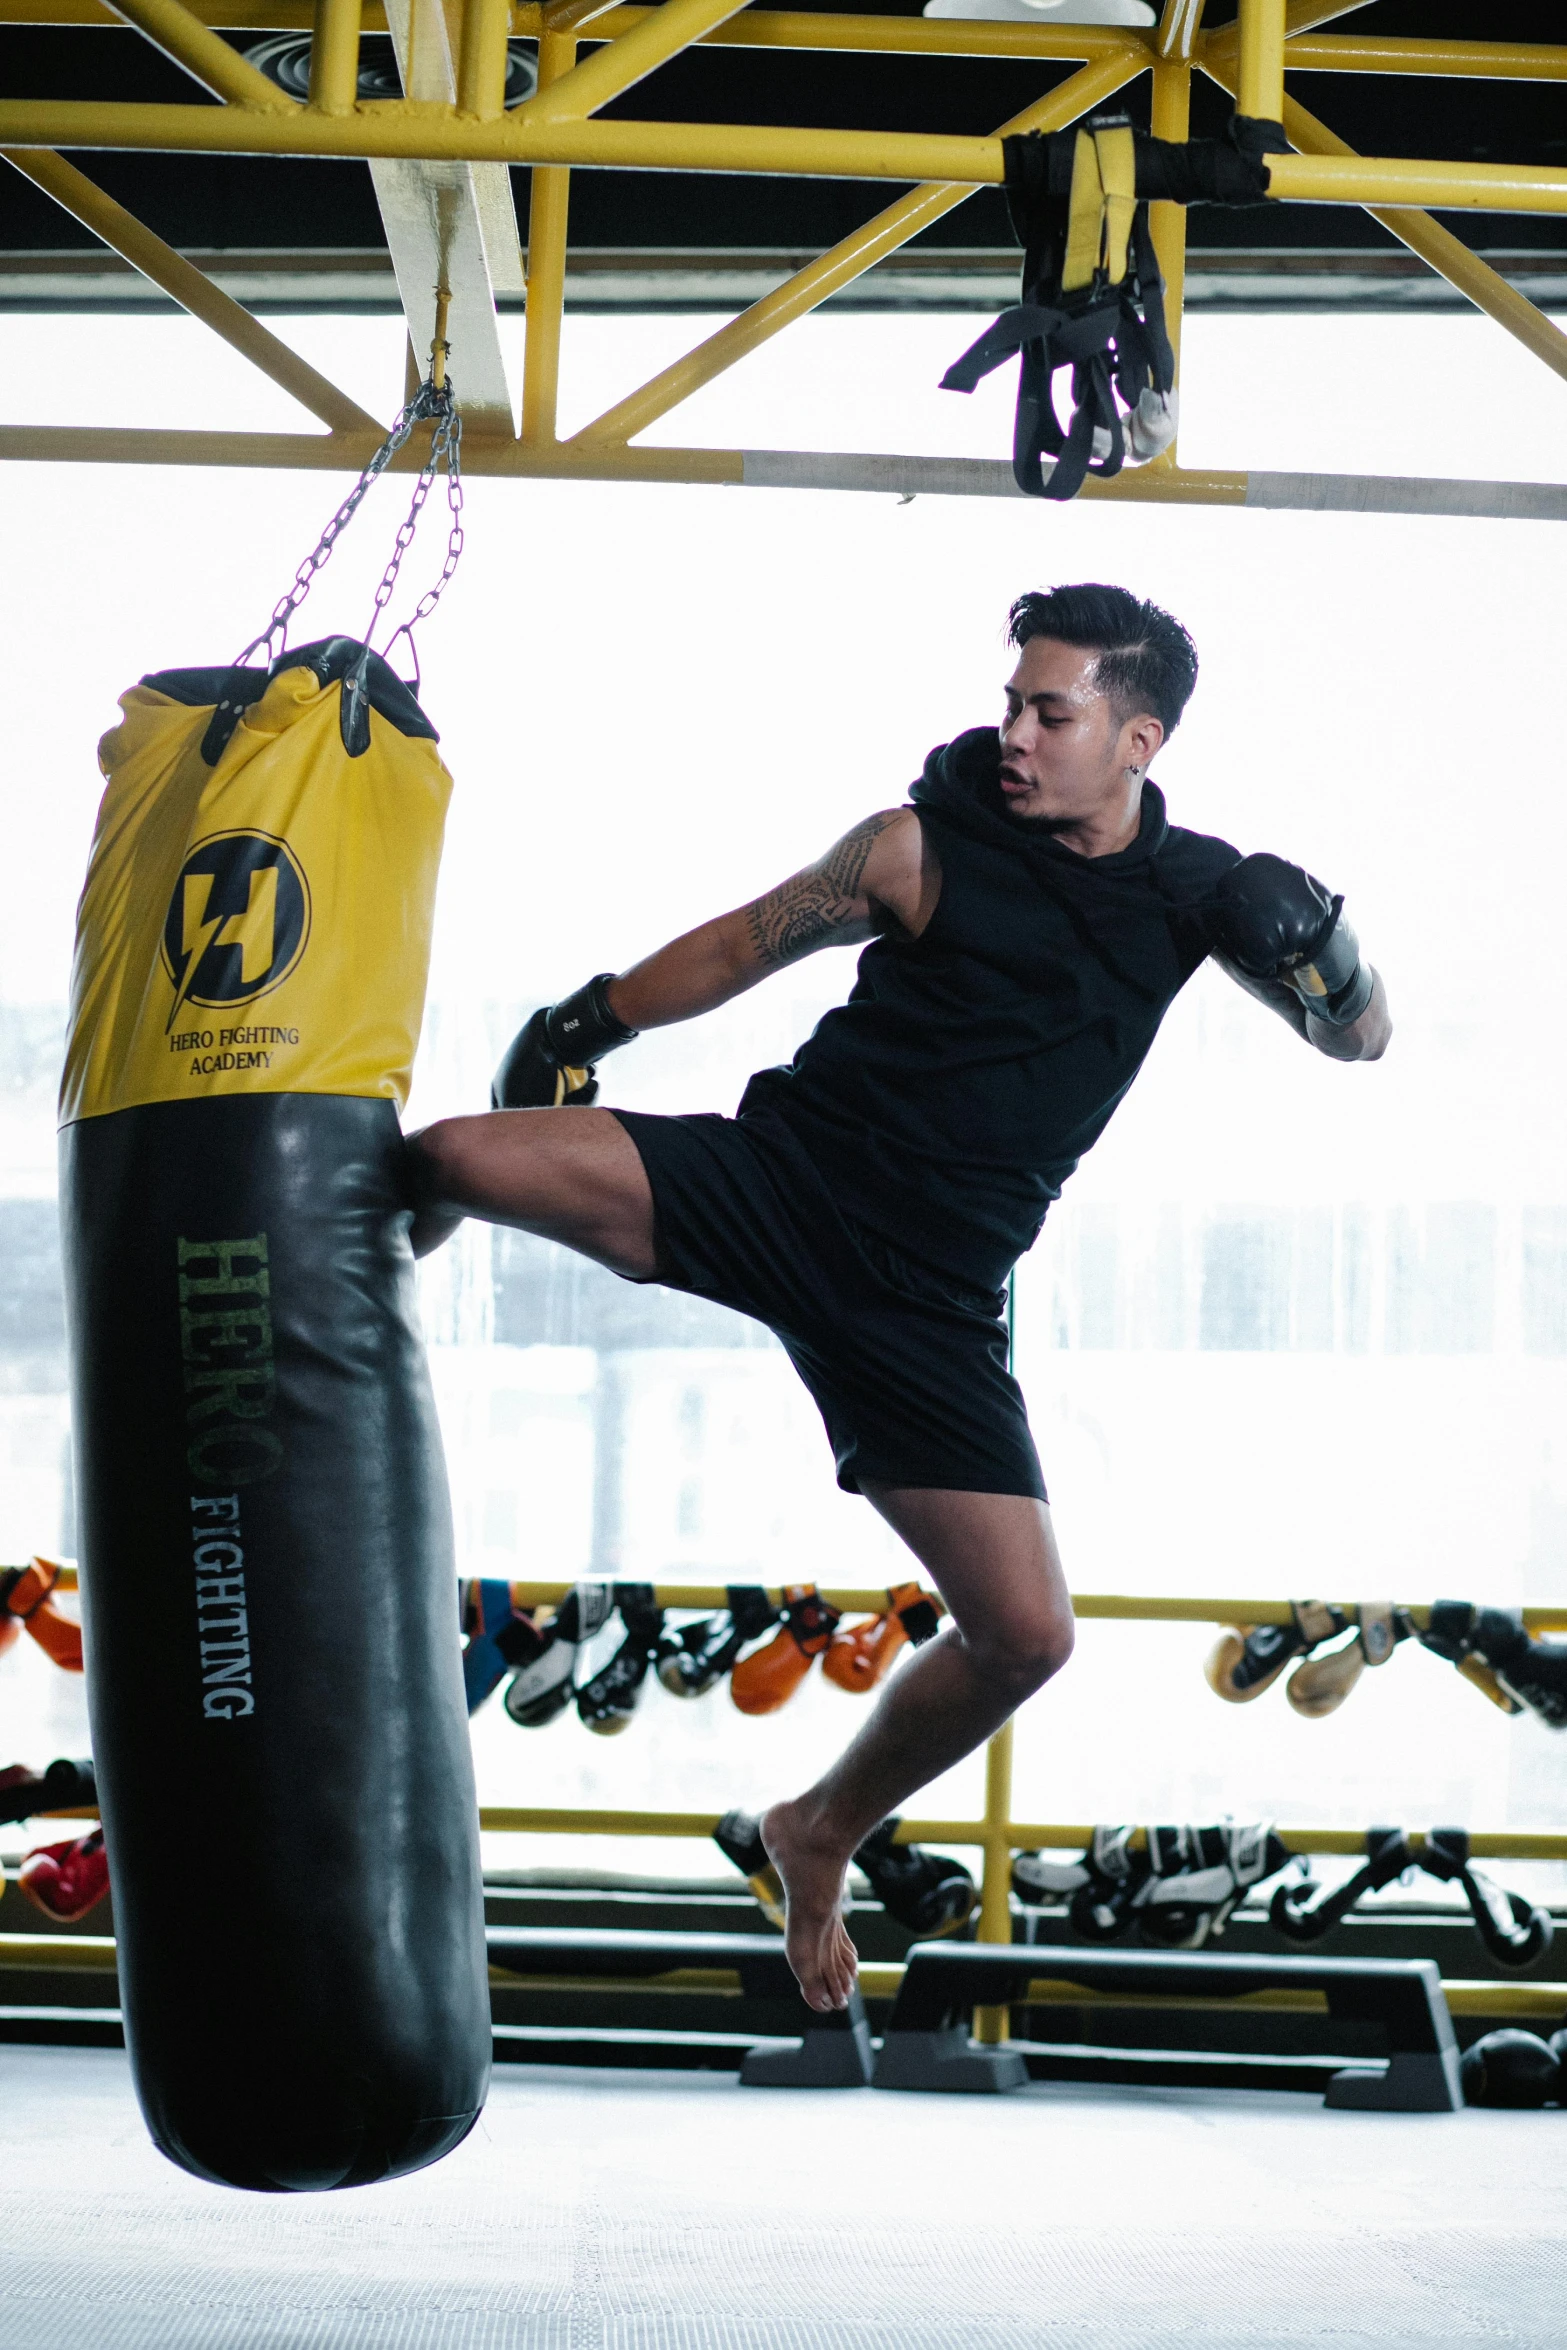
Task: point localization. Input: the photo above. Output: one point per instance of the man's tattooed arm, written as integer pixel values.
(821, 907)
(832, 903)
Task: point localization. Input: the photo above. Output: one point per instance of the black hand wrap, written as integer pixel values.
(1276, 921)
(549, 1063)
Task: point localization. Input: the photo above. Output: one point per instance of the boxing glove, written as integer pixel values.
(1533, 1672)
(1449, 1633)
(695, 1658)
(64, 1786)
(25, 1599)
(738, 1836)
(550, 1063)
(607, 1702)
(1510, 2068)
(859, 1655)
(769, 1677)
(1117, 1868)
(1200, 1876)
(500, 1638)
(1515, 1933)
(925, 1891)
(66, 1880)
(1244, 1662)
(542, 1688)
(1274, 920)
(1320, 1685)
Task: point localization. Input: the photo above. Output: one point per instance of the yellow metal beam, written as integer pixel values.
(819, 280)
(755, 29)
(203, 55)
(334, 57)
(481, 63)
(793, 469)
(1098, 1606)
(1446, 254)
(992, 2025)
(120, 230)
(1260, 26)
(1170, 118)
(622, 63)
(759, 28)
(1535, 1844)
(1400, 179)
(549, 200)
(437, 134)
(1300, 17)
(1019, 1835)
(1521, 61)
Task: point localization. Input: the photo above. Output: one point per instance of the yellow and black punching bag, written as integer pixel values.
(267, 1568)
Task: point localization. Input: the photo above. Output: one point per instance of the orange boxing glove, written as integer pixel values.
(25, 1599)
(770, 1675)
(859, 1655)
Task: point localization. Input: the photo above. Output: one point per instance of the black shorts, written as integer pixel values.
(908, 1367)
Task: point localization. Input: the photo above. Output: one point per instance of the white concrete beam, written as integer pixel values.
(450, 224)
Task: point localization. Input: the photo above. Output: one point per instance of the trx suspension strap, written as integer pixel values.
(1092, 293)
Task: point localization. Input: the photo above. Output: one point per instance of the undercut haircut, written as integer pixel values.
(1147, 662)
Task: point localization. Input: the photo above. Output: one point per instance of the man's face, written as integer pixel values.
(1065, 756)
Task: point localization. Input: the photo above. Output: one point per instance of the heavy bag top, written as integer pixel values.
(256, 916)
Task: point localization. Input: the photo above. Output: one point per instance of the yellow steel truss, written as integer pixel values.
(591, 53)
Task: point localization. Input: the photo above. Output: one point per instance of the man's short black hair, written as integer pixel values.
(1146, 659)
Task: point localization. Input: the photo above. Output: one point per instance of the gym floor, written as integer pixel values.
(677, 2211)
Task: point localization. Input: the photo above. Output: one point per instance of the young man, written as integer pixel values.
(1032, 915)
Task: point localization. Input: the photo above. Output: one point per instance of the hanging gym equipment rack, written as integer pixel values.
(439, 156)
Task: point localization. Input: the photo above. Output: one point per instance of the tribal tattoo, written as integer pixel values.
(816, 908)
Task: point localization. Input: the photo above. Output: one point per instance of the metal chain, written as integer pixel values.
(430, 400)
(445, 442)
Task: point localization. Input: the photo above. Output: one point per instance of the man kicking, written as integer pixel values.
(1031, 916)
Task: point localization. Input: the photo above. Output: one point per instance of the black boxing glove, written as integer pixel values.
(1274, 920)
(550, 1063)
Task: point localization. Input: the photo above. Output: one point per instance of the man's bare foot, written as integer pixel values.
(816, 1942)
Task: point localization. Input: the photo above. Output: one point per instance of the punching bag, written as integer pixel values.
(267, 1568)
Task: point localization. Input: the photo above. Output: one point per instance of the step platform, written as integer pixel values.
(928, 2043)
(831, 2051)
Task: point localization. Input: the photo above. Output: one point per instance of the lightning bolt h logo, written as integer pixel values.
(237, 921)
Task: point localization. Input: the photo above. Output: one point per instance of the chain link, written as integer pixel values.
(430, 401)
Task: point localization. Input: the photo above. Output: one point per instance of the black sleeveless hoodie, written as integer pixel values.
(948, 1100)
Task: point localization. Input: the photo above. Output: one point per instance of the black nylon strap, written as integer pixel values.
(1113, 338)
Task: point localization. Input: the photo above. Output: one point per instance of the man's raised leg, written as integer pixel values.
(574, 1176)
(993, 1558)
